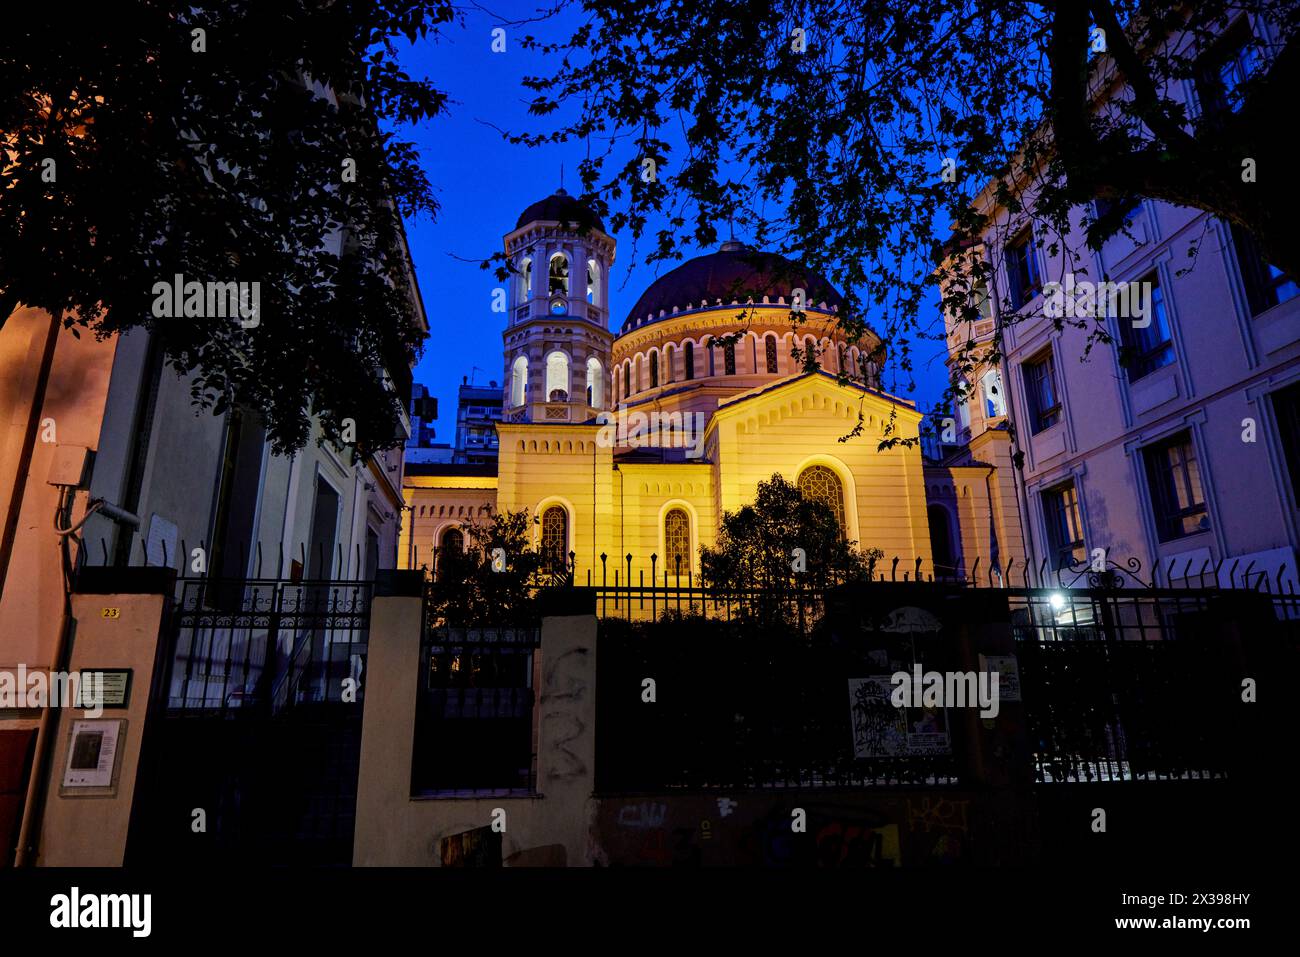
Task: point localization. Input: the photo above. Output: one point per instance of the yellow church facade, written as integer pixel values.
(635, 444)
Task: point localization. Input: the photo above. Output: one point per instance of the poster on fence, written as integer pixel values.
(1008, 672)
(881, 730)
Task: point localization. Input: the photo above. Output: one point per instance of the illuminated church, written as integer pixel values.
(636, 442)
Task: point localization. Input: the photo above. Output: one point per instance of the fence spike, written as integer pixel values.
(1245, 576)
(975, 570)
(1232, 573)
(918, 568)
(893, 571)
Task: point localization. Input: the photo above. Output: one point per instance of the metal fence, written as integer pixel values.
(257, 724)
(476, 728)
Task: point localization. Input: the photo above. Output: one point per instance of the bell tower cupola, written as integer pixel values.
(557, 340)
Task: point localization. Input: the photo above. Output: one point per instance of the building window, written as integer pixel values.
(627, 378)
(942, 553)
(1266, 285)
(1064, 524)
(526, 280)
(1286, 406)
(1146, 349)
(677, 542)
(729, 358)
(557, 377)
(962, 399)
(1128, 208)
(1022, 270)
(1040, 388)
(595, 383)
(817, 483)
(995, 403)
(593, 281)
(1177, 499)
(1221, 74)
(669, 356)
(654, 370)
(518, 381)
(559, 285)
(555, 539)
(690, 360)
(451, 548)
(769, 352)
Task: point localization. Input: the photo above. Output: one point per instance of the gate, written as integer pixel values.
(253, 741)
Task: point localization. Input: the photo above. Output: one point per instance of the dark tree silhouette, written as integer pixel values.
(823, 129)
(140, 141)
(756, 550)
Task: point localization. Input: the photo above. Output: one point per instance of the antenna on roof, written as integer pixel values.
(561, 179)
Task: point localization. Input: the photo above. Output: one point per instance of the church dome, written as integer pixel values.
(735, 273)
(560, 207)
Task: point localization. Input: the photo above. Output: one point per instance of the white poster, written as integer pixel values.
(881, 730)
(92, 754)
(1008, 671)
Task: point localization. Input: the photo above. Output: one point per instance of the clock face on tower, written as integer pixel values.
(559, 306)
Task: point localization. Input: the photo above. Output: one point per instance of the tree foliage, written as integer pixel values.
(756, 547)
(481, 586)
(152, 139)
(822, 129)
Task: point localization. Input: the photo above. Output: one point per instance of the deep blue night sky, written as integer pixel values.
(483, 183)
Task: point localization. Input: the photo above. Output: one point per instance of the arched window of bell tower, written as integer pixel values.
(518, 381)
(559, 275)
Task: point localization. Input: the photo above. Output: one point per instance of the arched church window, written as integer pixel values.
(518, 381)
(627, 378)
(451, 549)
(526, 280)
(595, 383)
(817, 483)
(769, 350)
(555, 539)
(995, 402)
(945, 560)
(690, 360)
(654, 370)
(557, 377)
(677, 542)
(559, 283)
(729, 358)
(593, 282)
(669, 355)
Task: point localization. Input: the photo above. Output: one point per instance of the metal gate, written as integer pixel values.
(253, 741)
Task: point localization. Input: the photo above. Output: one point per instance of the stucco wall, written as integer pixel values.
(394, 829)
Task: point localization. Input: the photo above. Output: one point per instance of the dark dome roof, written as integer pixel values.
(733, 274)
(561, 208)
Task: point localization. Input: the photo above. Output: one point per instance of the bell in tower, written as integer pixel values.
(557, 341)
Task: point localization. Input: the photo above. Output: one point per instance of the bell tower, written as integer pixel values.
(556, 344)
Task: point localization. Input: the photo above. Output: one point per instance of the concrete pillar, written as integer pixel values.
(119, 614)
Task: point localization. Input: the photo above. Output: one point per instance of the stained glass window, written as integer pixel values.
(677, 542)
(817, 483)
(555, 538)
